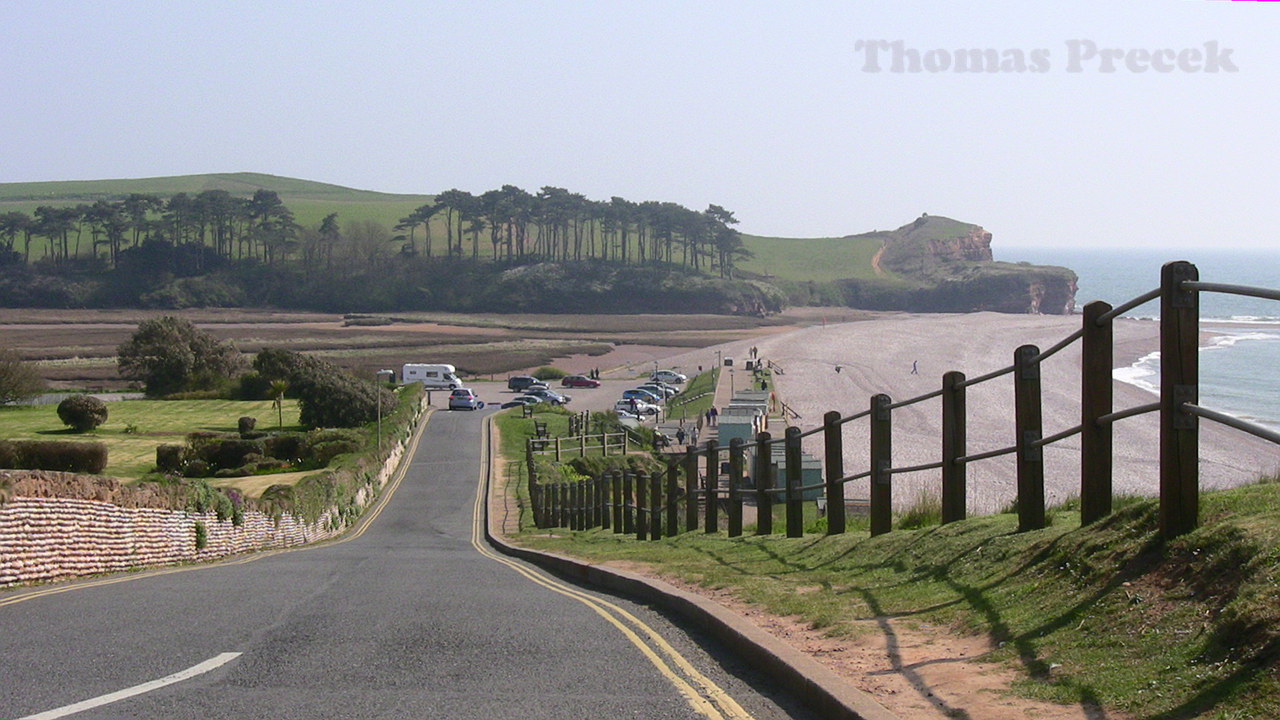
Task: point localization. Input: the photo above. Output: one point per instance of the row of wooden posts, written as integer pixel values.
(597, 502)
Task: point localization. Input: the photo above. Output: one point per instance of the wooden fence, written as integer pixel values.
(651, 505)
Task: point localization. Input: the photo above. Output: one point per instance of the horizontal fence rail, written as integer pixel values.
(702, 484)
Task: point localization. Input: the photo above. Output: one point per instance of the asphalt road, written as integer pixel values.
(411, 619)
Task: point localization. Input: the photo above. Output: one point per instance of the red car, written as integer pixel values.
(581, 381)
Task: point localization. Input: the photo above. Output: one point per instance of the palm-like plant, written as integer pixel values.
(278, 387)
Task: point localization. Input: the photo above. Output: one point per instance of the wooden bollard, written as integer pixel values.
(833, 444)
(881, 462)
(954, 442)
(642, 505)
(690, 490)
(736, 461)
(712, 491)
(764, 483)
(795, 507)
(1030, 456)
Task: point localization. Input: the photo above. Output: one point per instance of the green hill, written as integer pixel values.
(310, 201)
(813, 259)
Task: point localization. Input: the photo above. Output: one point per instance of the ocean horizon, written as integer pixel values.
(1236, 364)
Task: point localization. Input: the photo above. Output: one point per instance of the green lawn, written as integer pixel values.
(816, 259)
(149, 423)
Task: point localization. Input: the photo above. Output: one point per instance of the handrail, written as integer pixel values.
(985, 455)
(1059, 436)
(916, 468)
(1251, 291)
(1129, 412)
(1123, 308)
(855, 416)
(983, 378)
(914, 400)
(1053, 350)
(1252, 428)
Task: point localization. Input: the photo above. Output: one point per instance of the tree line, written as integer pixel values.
(517, 226)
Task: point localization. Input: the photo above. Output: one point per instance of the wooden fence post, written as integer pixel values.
(735, 487)
(690, 489)
(881, 461)
(833, 444)
(1179, 383)
(604, 444)
(711, 496)
(602, 492)
(1030, 456)
(673, 498)
(642, 505)
(954, 440)
(795, 506)
(1096, 348)
(655, 503)
(628, 504)
(615, 481)
(764, 483)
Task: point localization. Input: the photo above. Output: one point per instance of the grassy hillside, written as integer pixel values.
(1104, 616)
(814, 259)
(310, 201)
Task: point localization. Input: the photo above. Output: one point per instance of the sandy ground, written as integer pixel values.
(877, 356)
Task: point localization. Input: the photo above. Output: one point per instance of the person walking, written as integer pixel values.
(713, 416)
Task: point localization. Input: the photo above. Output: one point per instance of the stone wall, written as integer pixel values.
(51, 538)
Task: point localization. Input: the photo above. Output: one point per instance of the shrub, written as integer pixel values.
(18, 380)
(246, 424)
(82, 412)
(81, 457)
(323, 452)
(253, 386)
(196, 468)
(285, 446)
(202, 535)
(548, 372)
(169, 457)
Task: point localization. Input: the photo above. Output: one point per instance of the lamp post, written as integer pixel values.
(383, 376)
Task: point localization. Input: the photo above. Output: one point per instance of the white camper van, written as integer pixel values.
(431, 376)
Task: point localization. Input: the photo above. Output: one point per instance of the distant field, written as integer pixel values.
(156, 422)
(816, 259)
(77, 348)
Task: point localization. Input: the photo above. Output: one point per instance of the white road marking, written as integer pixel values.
(204, 667)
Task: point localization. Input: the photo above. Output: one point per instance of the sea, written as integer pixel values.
(1240, 366)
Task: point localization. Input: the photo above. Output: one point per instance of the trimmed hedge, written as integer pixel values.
(76, 457)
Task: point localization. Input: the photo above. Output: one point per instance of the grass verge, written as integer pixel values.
(1103, 616)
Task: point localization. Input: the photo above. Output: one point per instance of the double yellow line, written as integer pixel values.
(701, 692)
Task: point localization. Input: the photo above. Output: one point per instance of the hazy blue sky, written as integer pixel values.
(764, 108)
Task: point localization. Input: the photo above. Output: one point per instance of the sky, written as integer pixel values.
(771, 110)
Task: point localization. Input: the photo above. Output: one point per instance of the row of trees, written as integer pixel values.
(555, 224)
(507, 224)
(260, 227)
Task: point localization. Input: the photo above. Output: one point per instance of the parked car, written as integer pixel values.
(636, 407)
(464, 399)
(668, 386)
(579, 381)
(549, 395)
(645, 395)
(659, 390)
(522, 400)
(522, 382)
(670, 376)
